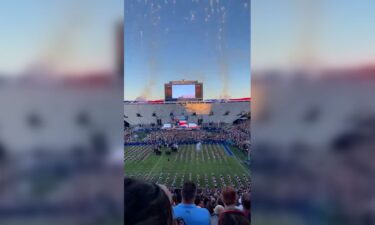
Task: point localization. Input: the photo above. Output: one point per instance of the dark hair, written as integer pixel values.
(189, 191)
(246, 201)
(177, 195)
(210, 207)
(229, 196)
(220, 201)
(145, 203)
(197, 200)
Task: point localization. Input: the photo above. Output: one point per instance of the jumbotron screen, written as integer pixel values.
(183, 91)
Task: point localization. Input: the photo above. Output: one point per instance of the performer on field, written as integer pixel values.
(198, 147)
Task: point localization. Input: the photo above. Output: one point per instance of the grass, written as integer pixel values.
(210, 164)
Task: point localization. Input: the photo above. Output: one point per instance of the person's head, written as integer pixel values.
(218, 209)
(220, 201)
(167, 192)
(210, 207)
(189, 190)
(174, 198)
(246, 201)
(197, 200)
(146, 204)
(205, 201)
(229, 196)
(178, 197)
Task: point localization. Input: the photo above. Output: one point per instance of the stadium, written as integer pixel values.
(180, 139)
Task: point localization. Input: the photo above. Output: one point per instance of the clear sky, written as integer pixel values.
(332, 33)
(73, 35)
(204, 40)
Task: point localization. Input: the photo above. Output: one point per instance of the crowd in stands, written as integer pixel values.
(184, 136)
(129, 134)
(239, 134)
(148, 203)
(236, 134)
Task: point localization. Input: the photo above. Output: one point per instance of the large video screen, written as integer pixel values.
(182, 91)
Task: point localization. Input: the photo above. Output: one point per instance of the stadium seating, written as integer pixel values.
(209, 112)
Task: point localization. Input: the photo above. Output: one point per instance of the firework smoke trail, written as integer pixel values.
(59, 51)
(152, 49)
(153, 73)
(222, 57)
(224, 75)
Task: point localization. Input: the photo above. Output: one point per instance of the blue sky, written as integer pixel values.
(341, 33)
(183, 40)
(74, 35)
(200, 40)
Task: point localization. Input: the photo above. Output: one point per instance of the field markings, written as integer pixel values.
(239, 162)
(190, 163)
(153, 168)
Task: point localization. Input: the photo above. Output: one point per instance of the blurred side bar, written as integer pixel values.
(61, 139)
(313, 128)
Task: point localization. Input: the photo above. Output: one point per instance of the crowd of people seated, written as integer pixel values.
(239, 134)
(148, 203)
(128, 134)
(185, 136)
(236, 134)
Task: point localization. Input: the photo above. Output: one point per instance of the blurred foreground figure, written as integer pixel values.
(146, 204)
(61, 148)
(246, 203)
(314, 152)
(231, 215)
(313, 113)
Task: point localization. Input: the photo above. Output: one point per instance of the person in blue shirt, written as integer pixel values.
(187, 211)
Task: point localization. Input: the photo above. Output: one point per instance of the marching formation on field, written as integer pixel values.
(210, 152)
(220, 173)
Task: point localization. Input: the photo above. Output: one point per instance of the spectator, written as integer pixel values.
(198, 202)
(215, 216)
(146, 204)
(167, 192)
(187, 210)
(231, 215)
(220, 202)
(246, 205)
(178, 198)
(218, 209)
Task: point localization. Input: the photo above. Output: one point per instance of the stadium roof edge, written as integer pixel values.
(161, 101)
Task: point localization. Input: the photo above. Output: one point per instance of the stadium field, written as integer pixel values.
(210, 167)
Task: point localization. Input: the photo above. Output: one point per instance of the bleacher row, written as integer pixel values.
(208, 112)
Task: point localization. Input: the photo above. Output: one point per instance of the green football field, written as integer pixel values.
(211, 167)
